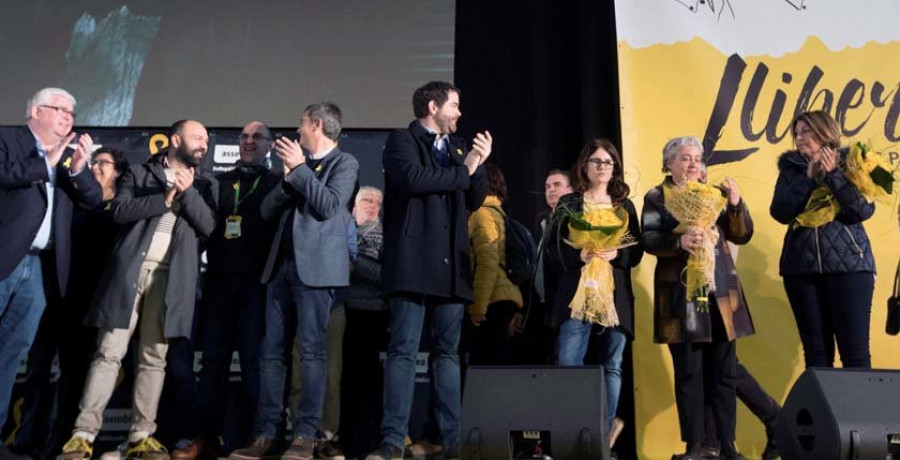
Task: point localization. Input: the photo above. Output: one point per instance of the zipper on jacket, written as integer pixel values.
(858, 249)
(818, 252)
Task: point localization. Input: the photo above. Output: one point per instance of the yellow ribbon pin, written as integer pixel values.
(68, 163)
(459, 152)
(319, 168)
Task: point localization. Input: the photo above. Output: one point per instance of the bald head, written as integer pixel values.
(190, 141)
(255, 142)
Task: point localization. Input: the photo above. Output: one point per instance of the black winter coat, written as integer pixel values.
(564, 264)
(426, 235)
(840, 246)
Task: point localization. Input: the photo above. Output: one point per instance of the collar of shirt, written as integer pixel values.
(440, 140)
(320, 155)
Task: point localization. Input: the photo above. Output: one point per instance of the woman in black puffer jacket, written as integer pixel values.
(827, 266)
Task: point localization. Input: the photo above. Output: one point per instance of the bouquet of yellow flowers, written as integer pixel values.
(597, 230)
(697, 206)
(867, 169)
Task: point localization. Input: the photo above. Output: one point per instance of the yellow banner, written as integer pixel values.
(742, 106)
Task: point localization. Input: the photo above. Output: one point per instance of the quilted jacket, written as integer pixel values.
(840, 246)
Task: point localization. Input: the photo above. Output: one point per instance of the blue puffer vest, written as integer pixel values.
(840, 246)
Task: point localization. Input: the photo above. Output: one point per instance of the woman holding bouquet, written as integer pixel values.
(601, 197)
(699, 305)
(826, 260)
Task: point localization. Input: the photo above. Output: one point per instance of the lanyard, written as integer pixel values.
(237, 192)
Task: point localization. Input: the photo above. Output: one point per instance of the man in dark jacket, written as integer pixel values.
(234, 301)
(150, 282)
(308, 261)
(39, 179)
(431, 183)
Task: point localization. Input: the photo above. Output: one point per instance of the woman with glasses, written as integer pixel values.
(700, 331)
(826, 259)
(598, 182)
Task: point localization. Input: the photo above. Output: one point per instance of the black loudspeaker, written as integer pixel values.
(534, 413)
(841, 414)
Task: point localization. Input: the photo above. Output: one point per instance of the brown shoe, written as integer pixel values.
(300, 449)
(259, 449)
(617, 426)
(188, 452)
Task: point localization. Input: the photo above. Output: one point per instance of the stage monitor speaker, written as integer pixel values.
(534, 413)
(841, 414)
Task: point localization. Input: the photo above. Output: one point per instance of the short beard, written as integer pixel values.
(184, 155)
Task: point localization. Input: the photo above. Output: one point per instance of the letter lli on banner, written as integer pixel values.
(735, 74)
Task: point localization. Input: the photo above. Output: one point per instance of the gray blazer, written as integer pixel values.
(320, 202)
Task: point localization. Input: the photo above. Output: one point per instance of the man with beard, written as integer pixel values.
(431, 183)
(233, 306)
(40, 177)
(149, 282)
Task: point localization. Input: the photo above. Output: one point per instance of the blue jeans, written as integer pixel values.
(407, 318)
(294, 311)
(22, 303)
(574, 337)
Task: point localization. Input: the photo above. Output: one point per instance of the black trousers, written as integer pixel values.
(490, 341)
(751, 393)
(831, 307)
(362, 383)
(705, 373)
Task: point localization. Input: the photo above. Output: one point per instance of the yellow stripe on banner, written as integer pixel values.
(669, 90)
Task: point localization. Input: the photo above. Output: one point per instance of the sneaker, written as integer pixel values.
(329, 450)
(196, 449)
(386, 451)
(300, 449)
(147, 449)
(77, 448)
(260, 449)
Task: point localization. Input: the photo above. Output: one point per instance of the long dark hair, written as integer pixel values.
(617, 188)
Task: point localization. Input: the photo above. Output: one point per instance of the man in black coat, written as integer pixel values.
(431, 184)
(150, 282)
(39, 179)
(232, 312)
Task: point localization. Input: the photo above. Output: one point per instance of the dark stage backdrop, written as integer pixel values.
(542, 77)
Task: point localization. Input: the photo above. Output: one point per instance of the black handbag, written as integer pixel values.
(893, 314)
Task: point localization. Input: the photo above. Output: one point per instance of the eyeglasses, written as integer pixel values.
(59, 109)
(103, 163)
(599, 164)
(805, 132)
(256, 137)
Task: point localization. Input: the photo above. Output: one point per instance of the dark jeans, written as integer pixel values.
(407, 319)
(178, 402)
(362, 383)
(490, 341)
(754, 397)
(22, 303)
(232, 319)
(705, 373)
(829, 307)
(294, 311)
